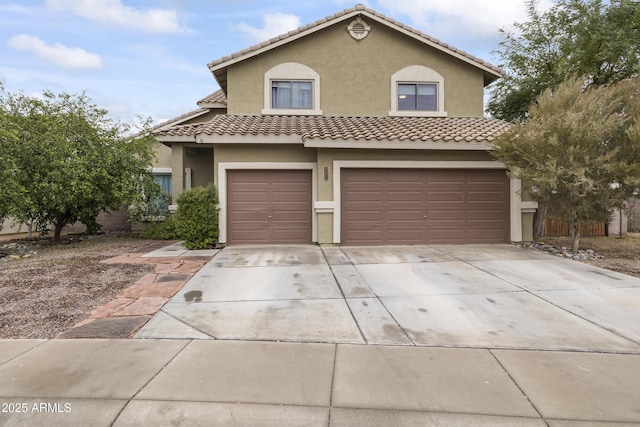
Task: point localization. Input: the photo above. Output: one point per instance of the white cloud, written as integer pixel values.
(481, 18)
(274, 25)
(114, 12)
(58, 54)
(14, 8)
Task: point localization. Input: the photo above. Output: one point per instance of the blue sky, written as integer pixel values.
(149, 57)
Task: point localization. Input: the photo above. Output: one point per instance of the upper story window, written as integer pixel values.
(417, 97)
(417, 91)
(292, 89)
(291, 94)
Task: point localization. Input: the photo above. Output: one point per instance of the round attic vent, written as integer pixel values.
(358, 29)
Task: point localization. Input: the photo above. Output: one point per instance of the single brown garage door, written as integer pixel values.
(417, 206)
(269, 206)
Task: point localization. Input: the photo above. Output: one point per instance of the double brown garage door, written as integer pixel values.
(378, 206)
(414, 206)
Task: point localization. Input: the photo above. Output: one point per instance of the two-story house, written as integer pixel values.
(356, 130)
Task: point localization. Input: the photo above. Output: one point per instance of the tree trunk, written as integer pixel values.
(575, 244)
(29, 230)
(538, 221)
(59, 224)
(57, 231)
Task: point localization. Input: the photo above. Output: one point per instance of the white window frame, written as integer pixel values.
(415, 85)
(417, 74)
(292, 71)
(291, 82)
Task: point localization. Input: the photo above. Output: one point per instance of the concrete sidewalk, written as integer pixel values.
(182, 382)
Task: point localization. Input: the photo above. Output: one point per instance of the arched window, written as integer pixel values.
(417, 91)
(291, 89)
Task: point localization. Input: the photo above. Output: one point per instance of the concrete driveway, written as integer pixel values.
(485, 296)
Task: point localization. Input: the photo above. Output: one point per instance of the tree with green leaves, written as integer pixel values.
(579, 150)
(64, 160)
(593, 38)
(597, 39)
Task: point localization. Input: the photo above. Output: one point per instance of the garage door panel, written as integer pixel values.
(364, 196)
(250, 177)
(369, 236)
(285, 216)
(445, 177)
(405, 215)
(487, 215)
(462, 206)
(486, 196)
(292, 198)
(250, 215)
(447, 215)
(408, 196)
(446, 235)
(364, 177)
(355, 217)
(415, 177)
(249, 197)
(446, 196)
(483, 236)
(269, 206)
(248, 235)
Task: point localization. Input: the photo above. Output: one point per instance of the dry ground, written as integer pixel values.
(620, 254)
(56, 288)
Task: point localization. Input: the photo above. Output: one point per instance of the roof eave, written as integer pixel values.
(169, 139)
(388, 144)
(212, 105)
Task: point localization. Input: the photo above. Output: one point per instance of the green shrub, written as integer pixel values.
(196, 219)
(161, 230)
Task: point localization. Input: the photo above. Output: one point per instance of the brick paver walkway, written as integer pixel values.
(133, 307)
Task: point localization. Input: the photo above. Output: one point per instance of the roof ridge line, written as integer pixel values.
(357, 8)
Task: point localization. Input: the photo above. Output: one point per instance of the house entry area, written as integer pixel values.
(269, 206)
(424, 206)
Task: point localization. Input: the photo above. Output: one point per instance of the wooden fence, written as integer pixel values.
(554, 227)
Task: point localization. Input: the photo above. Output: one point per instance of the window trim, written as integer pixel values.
(417, 74)
(292, 71)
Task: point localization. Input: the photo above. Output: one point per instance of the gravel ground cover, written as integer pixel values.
(46, 289)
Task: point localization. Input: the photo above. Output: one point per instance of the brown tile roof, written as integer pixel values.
(216, 97)
(358, 8)
(436, 129)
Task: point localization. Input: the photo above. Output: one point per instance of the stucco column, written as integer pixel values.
(177, 171)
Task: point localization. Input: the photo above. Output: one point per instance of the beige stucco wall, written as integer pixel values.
(527, 226)
(162, 154)
(200, 161)
(355, 76)
(327, 156)
(253, 153)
